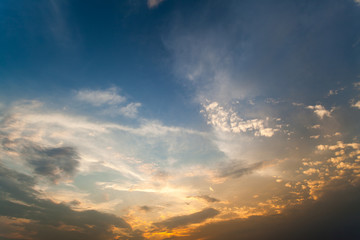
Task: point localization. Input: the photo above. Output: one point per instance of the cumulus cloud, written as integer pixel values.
(320, 111)
(184, 220)
(100, 97)
(226, 120)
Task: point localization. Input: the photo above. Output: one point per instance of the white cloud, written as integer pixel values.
(357, 2)
(153, 3)
(357, 104)
(226, 120)
(335, 92)
(100, 97)
(111, 102)
(320, 111)
(130, 110)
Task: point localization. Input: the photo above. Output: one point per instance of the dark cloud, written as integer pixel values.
(53, 163)
(48, 220)
(181, 221)
(237, 170)
(146, 208)
(207, 198)
(74, 203)
(335, 216)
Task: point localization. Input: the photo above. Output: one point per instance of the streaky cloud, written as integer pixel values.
(207, 198)
(238, 169)
(100, 97)
(184, 220)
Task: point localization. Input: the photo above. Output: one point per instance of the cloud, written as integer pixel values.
(100, 97)
(356, 105)
(146, 208)
(49, 220)
(110, 101)
(335, 92)
(207, 198)
(334, 216)
(184, 220)
(154, 3)
(53, 163)
(320, 111)
(130, 110)
(226, 120)
(236, 169)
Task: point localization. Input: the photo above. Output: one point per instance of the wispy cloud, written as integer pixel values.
(154, 3)
(109, 101)
(184, 220)
(207, 198)
(130, 110)
(100, 97)
(239, 169)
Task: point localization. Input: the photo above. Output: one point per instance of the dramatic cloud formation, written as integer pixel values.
(179, 119)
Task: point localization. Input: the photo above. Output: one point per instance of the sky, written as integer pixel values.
(179, 119)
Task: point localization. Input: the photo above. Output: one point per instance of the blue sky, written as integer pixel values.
(169, 119)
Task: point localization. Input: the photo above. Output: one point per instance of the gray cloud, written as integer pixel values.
(207, 198)
(335, 216)
(236, 170)
(49, 220)
(181, 221)
(53, 163)
(146, 208)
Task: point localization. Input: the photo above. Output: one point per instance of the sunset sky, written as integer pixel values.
(179, 119)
